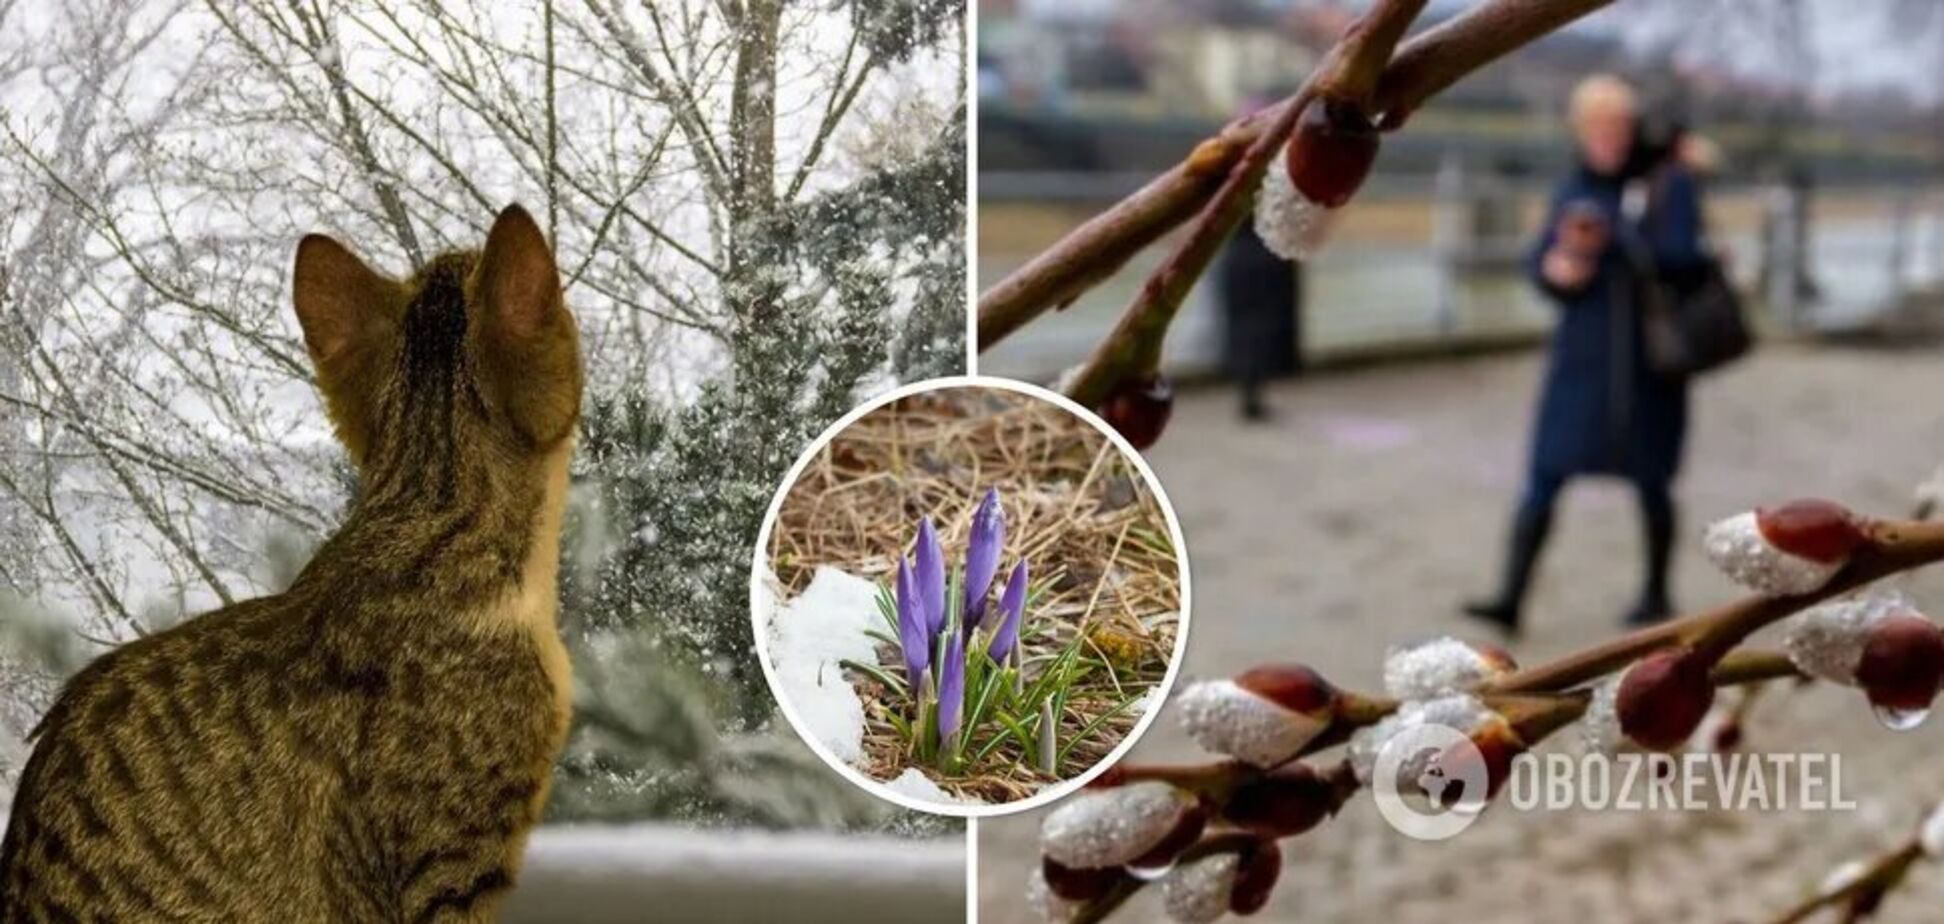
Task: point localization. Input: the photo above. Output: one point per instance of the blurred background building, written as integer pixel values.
(1824, 116)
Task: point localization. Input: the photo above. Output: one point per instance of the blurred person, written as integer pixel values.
(1261, 297)
(1602, 409)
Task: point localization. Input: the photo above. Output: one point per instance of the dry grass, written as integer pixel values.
(1092, 533)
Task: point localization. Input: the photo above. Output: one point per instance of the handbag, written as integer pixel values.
(1693, 320)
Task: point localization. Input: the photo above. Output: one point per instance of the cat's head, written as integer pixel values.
(475, 351)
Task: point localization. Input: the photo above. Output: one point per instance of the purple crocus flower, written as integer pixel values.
(951, 687)
(1012, 608)
(928, 578)
(982, 550)
(914, 634)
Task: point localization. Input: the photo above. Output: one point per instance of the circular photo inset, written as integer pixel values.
(970, 596)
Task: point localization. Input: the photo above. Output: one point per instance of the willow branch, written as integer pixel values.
(1102, 246)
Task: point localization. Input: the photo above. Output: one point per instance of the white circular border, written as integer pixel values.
(876, 787)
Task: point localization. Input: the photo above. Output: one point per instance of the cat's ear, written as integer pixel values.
(344, 307)
(516, 285)
(339, 299)
(529, 350)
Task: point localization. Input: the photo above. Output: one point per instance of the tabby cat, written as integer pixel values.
(373, 744)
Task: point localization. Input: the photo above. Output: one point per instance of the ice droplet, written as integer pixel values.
(1844, 876)
(1199, 890)
(1289, 223)
(1900, 719)
(1737, 547)
(1931, 835)
(1151, 873)
(1108, 827)
(1227, 719)
(1827, 641)
(1439, 667)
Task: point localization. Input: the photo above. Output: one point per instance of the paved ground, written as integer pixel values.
(1377, 500)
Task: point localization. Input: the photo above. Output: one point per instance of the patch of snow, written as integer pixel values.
(808, 636)
(916, 785)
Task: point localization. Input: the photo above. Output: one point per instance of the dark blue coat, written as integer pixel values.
(1603, 410)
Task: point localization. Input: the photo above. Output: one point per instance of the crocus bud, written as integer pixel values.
(1901, 667)
(928, 576)
(1139, 409)
(1255, 878)
(1284, 802)
(1080, 885)
(1663, 697)
(1442, 666)
(1331, 152)
(1113, 827)
(1792, 549)
(1264, 716)
(985, 541)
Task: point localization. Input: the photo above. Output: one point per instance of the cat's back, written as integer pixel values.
(155, 778)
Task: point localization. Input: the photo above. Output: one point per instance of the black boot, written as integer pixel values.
(1529, 530)
(1656, 603)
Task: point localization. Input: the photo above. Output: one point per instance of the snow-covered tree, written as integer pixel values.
(757, 207)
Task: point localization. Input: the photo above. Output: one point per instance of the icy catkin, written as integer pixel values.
(1827, 641)
(1197, 892)
(1227, 719)
(1736, 546)
(1109, 827)
(1439, 667)
(1291, 225)
(1462, 713)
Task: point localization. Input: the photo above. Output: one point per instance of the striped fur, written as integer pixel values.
(373, 744)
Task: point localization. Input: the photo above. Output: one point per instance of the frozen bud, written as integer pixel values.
(1663, 697)
(1198, 891)
(1331, 152)
(1497, 745)
(1930, 836)
(1112, 827)
(1284, 802)
(1323, 165)
(1745, 551)
(1901, 667)
(1462, 713)
(1204, 889)
(1263, 716)
(1818, 530)
(1442, 666)
(1080, 885)
(1047, 904)
(1139, 409)
(1827, 641)
(1599, 727)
